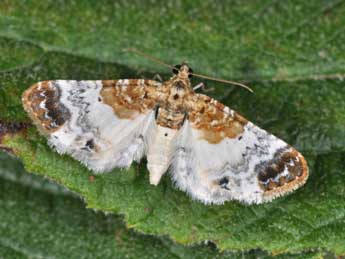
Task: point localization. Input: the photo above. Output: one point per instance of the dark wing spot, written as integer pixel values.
(270, 172)
(59, 120)
(90, 144)
(56, 112)
(223, 183)
(53, 114)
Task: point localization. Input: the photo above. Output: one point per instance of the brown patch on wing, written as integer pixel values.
(214, 120)
(129, 98)
(286, 172)
(42, 102)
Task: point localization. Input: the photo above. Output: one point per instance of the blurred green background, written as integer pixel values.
(290, 52)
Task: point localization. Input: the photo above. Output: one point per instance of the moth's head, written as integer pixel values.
(183, 71)
(182, 75)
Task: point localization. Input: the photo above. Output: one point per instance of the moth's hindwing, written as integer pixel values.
(103, 124)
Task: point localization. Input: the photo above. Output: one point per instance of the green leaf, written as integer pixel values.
(292, 53)
(258, 39)
(41, 220)
(310, 218)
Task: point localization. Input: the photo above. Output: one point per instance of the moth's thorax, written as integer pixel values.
(178, 92)
(172, 110)
(177, 83)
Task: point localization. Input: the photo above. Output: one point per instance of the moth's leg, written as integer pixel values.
(156, 112)
(184, 118)
(158, 78)
(203, 88)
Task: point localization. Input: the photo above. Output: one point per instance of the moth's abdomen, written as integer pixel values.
(42, 103)
(161, 149)
(160, 152)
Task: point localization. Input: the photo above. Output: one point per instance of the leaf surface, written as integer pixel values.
(291, 54)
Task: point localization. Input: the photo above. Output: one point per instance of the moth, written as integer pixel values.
(212, 152)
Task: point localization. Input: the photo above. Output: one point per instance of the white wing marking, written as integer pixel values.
(199, 166)
(94, 134)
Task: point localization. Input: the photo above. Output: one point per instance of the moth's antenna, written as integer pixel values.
(138, 52)
(223, 81)
(149, 57)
